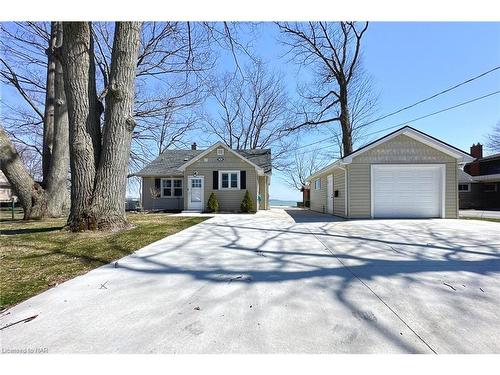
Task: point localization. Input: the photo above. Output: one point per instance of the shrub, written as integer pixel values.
(247, 203)
(213, 203)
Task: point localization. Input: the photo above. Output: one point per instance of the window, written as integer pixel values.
(220, 152)
(229, 179)
(171, 187)
(490, 188)
(463, 187)
(317, 184)
(196, 183)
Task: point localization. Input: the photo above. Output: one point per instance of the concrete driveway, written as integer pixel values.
(282, 282)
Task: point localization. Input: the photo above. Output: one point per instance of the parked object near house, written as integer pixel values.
(184, 179)
(6, 193)
(479, 182)
(132, 204)
(405, 174)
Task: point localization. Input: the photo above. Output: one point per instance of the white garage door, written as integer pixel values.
(406, 191)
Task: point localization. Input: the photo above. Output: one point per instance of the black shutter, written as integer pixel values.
(157, 183)
(243, 179)
(215, 179)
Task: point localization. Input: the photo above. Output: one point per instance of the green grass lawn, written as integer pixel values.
(481, 218)
(37, 255)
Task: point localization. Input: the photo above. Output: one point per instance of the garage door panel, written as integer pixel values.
(406, 191)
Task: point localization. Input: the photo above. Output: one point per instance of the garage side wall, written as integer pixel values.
(339, 185)
(318, 196)
(399, 150)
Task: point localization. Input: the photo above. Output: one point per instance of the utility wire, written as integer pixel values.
(420, 102)
(412, 120)
(433, 96)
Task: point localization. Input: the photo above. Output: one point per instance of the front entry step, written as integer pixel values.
(191, 212)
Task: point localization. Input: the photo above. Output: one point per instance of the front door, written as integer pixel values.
(195, 193)
(329, 194)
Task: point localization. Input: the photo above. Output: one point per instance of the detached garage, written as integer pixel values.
(406, 174)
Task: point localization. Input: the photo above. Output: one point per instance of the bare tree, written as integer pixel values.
(338, 92)
(493, 139)
(46, 100)
(253, 111)
(99, 161)
(301, 165)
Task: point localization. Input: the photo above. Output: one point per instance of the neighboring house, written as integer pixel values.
(406, 174)
(479, 182)
(6, 194)
(184, 179)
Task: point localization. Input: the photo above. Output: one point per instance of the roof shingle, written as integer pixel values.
(169, 161)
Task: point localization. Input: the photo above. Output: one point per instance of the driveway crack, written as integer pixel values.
(373, 292)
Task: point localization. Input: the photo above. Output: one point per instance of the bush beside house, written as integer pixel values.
(213, 203)
(247, 203)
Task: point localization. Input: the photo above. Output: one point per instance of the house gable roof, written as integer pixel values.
(168, 163)
(219, 145)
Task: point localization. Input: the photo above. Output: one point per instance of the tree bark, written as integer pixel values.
(84, 119)
(111, 180)
(345, 120)
(99, 171)
(31, 195)
(51, 197)
(57, 180)
(48, 117)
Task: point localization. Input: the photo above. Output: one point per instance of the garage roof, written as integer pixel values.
(461, 156)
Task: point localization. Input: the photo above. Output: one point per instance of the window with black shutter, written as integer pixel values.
(215, 179)
(243, 179)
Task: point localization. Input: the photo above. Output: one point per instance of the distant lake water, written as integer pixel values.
(279, 202)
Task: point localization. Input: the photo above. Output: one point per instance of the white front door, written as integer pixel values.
(329, 193)
(195, 192)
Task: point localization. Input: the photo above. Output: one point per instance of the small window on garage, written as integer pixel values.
(463, 187)
(220, 152)
(490, 188)
(317, 184)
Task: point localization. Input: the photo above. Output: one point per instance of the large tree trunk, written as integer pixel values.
(48, 117)
(51, 197)
(98, 171)
(31, 195)
(111, 180)
(57, 180)
(84, 119)
(345, 120)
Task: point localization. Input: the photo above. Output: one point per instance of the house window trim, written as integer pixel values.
(317, 184)
(238, 180)
(464, 191)
(172, 188)
(220, 152)
(494, 190)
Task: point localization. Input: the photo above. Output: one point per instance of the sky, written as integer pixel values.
(407, 62)
(410, 61)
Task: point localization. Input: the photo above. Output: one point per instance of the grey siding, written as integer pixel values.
(229, 200)
(339, 185)
(318, 197)
(399, 150)
(149, 203)
(480, 199)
